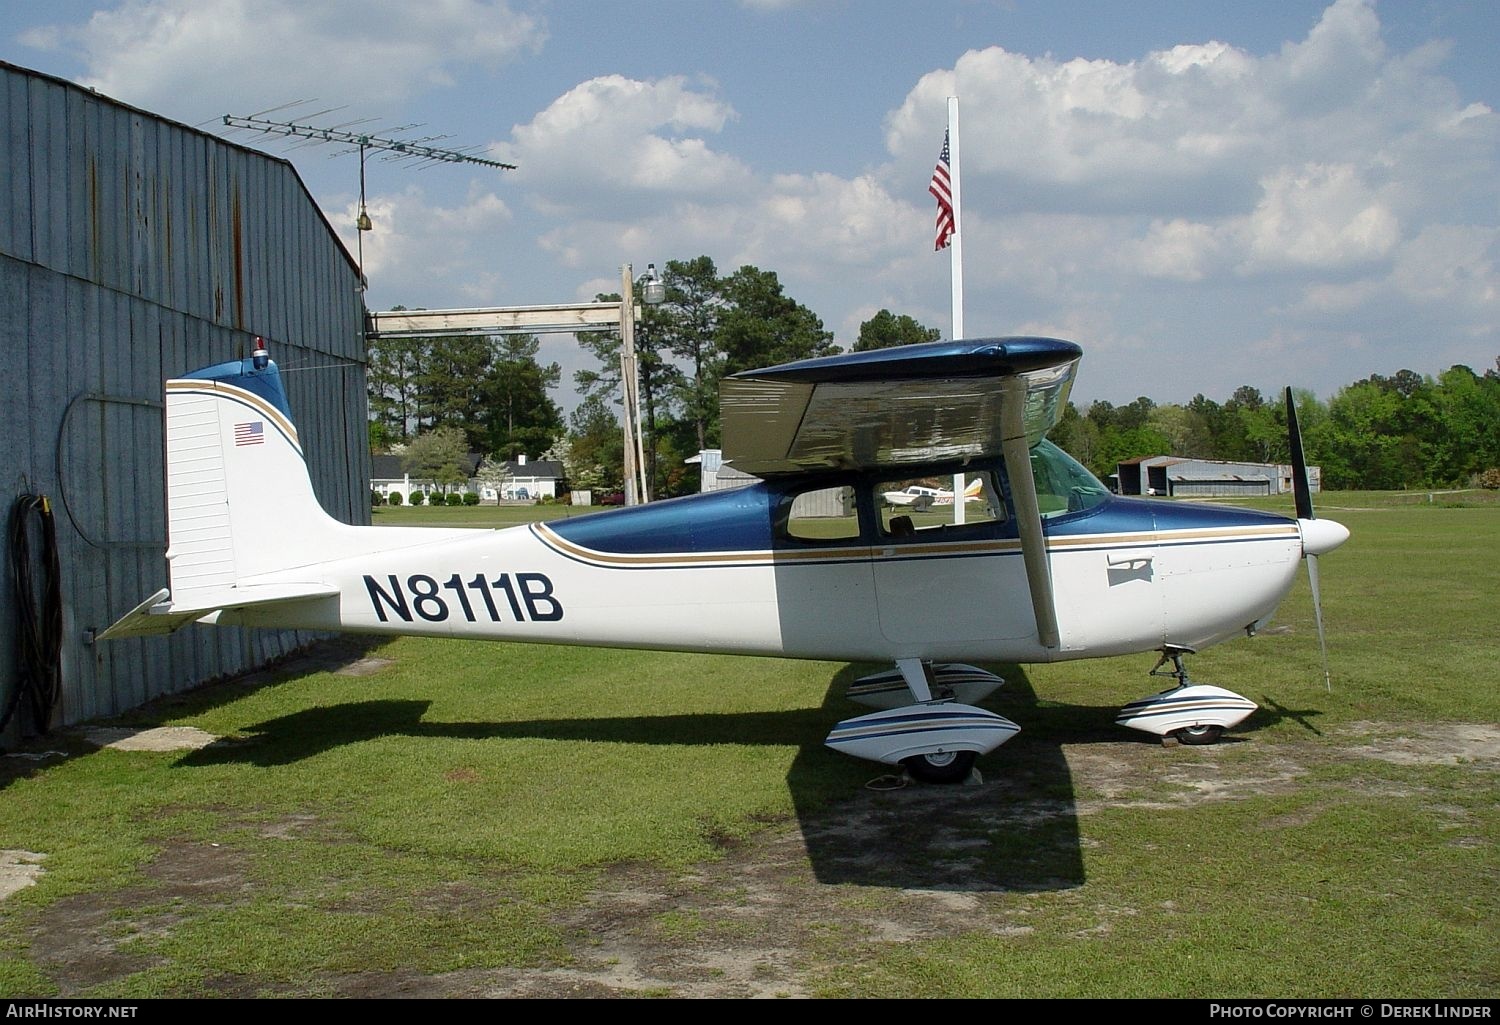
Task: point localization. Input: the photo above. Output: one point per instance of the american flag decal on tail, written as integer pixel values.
(252, 433)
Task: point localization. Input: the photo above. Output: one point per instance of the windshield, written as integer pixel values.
(1062, 484)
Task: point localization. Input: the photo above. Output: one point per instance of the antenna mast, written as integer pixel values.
(416, 150)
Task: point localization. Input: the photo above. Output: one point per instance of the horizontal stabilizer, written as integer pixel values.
(152, 616)
(160, 615)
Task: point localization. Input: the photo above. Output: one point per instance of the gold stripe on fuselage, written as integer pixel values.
(897, 552)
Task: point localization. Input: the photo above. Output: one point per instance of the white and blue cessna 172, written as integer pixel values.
(808, 562)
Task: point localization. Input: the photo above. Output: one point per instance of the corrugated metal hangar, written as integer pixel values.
(1207, 478)
(133, 249)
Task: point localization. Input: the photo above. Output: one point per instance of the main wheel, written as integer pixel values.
(1201, 735)
(943, 767)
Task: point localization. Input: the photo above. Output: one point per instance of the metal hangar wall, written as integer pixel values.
(134, 249)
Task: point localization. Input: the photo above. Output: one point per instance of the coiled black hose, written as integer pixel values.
(39, 617)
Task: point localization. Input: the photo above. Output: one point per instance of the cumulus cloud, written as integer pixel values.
(1192, 131)
(1315, 194)
(631, 166)
(1178, 249)
(197, 58)
(613, 138)
(1452, 264)
(1324, 192)
(1123, 136)
(1318, 216)
(415, 240)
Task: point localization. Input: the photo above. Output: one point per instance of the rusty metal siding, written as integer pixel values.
(15, 175)
(133, 249)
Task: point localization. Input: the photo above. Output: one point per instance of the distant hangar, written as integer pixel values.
(1180, 477)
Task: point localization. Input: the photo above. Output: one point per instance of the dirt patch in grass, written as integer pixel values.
(907, 865)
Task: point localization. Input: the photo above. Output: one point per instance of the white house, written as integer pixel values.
(388, 478)
(524, 481)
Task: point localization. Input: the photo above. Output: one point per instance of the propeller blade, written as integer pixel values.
(1312, 578)
(1299, 461)
(1316, 537)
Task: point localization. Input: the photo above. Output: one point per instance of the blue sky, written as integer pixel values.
(1202, 194)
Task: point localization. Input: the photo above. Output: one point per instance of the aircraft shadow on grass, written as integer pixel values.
(1017, 830)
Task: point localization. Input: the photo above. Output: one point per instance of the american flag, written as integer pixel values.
(941, 189)
(252, 433)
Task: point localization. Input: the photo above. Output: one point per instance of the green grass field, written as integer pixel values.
(463, 819)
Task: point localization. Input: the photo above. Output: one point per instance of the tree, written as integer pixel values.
(493, 474)
(1209, 422)
(520, 416)
(765, 326)
(688, 329)
(595, 457)
(394, 364)
(440, 456)
(451, 383)
(885, 330)
(1465, 439)
(1077, 435)
(1358, 438)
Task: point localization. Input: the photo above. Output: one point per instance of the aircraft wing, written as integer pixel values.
(909, 405)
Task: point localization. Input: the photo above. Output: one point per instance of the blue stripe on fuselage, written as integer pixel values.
(718, 521)
(1134, 515)
(743, 520)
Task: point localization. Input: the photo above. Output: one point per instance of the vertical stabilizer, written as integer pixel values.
(244, 527)
(240, 502)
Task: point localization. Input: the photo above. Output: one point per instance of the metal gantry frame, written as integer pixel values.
(558, 318)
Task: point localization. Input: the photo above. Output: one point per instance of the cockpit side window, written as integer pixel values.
(821, 515)
(938, 507)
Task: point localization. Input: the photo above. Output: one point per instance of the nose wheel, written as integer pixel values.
(1189, 713)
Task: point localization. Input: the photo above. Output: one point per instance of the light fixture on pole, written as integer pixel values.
(653, 289)
(637, 488)
(362, 223)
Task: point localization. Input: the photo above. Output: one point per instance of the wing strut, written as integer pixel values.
(1016, 446)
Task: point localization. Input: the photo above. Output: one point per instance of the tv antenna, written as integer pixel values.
(395, 142)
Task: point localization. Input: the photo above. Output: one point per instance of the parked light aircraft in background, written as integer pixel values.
(921, 496)
(915, 494)
(808, 562)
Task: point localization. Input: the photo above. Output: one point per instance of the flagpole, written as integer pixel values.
(956, 247)
(956, 264)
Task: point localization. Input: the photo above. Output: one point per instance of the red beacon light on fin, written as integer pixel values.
(260, 359)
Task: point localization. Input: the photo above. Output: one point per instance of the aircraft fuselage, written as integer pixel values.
(726, 572)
